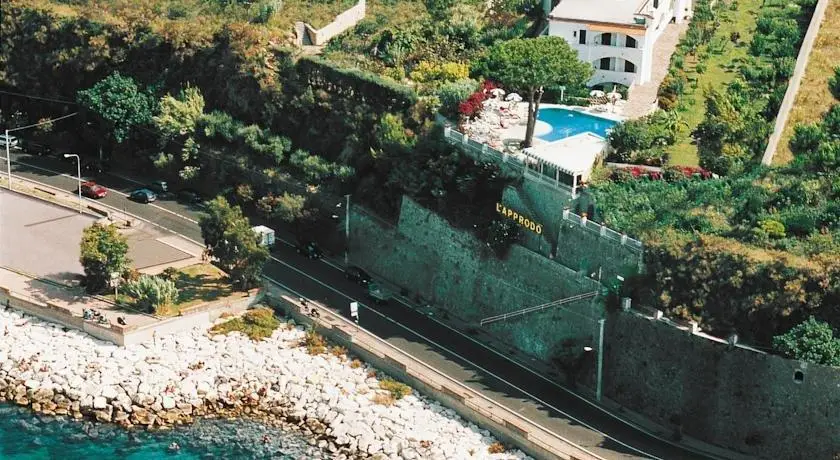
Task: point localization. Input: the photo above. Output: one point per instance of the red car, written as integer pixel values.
(91, 189)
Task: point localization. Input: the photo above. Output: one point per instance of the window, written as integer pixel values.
(631, 42)
(582, 37)
(606, 39)
(655, 4)
(605, 64)
(629, 67)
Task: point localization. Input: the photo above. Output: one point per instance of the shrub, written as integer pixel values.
(812, 341)
(427, 71)
(383, 399)
(472, 107)
(355, 364)
(496, 448)
(834, 83)
(806, 138)
(315, 344)
(169, 274)
(772, 228)
(151, 293)
(452, 94)
(398, 390)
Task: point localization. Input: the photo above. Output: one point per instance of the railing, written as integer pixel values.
(536, 308)
(602, 230)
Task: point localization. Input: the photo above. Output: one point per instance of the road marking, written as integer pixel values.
(633, 425)
(464, 359)
(297, 294)
(110, 189)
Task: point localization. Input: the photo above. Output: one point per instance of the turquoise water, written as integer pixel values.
(26, 436)
(566, 123)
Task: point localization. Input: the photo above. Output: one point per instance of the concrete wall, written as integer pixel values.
(735, 398)
(349, 18)
(507, 426)
(451, 269)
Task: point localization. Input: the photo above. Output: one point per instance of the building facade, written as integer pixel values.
(617, 36)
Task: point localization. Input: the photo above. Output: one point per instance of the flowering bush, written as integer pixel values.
(427, 71)
(472, 107)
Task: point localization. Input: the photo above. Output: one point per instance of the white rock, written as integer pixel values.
(99, 402)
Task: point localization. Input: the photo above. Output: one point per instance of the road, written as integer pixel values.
(535, 397)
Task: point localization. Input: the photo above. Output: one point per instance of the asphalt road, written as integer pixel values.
(532, 396)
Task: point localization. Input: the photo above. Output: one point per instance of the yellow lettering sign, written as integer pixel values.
(519, 219)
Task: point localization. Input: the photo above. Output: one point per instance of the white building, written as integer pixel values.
(617, 36)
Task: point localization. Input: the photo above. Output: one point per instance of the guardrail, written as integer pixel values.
(602, 230)
(539, 436)
(536, 308)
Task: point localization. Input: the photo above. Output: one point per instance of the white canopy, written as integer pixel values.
(596, 93)
(514, 97)
(573, 155)
(499, 92)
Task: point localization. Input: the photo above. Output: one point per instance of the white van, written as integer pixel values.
(12, 141)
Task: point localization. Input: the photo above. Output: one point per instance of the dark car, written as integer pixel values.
(309, 249)
(35, 148)
(159, 186)
(96, 167)
(143, 195)
(91, 189)
(357, 275)
(190, 196)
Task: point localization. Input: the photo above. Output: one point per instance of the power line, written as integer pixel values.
(44, 122)
(40, 98)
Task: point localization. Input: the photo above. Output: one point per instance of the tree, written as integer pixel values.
(811, 341)
(230, 239)
(286, 207)
(120, 103)
(439, 10)
(529, 65)
(178, 116)
(103, 252)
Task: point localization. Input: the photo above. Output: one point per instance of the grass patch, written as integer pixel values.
(496, 448)
(719, 70)
(397, 390)
(383, 399)
(814, 98)
(200, 283)
(257, 324)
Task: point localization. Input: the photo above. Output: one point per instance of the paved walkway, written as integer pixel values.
(642, 99)
(73, 299)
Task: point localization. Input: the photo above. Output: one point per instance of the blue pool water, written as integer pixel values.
(566, 123)
(26, 436)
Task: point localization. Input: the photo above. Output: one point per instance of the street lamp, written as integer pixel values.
(600, 369)
(78, 175)
(8, 154)
(347, 231)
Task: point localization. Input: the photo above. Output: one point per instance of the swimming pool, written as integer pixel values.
(566, 123)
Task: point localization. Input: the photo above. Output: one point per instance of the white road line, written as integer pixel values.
(465, 360)
(110, 189)
(297, 294)
(542, 377)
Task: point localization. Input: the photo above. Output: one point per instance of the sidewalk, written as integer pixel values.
(506, 424)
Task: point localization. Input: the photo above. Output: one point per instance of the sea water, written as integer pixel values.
(27, 436)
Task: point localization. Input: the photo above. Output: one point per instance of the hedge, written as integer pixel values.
(381, 94)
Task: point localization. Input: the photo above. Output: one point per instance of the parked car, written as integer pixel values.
(379, 294)
(143, 195)
(96, 167)
(159, 186)
(91, 189)
(309, 249)
(12, 141)
(190, 196)
(357, 275)
(35, 148)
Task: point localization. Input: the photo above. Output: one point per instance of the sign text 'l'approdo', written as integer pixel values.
(519, 218)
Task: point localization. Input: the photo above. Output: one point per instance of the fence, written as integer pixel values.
(602, 230)
(481, 151)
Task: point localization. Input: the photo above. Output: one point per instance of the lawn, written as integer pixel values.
(721, 68)
(814, 98)
(196, 284)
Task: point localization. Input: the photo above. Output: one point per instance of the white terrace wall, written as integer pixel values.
(451, 269)
(733, 397)
(349, 18)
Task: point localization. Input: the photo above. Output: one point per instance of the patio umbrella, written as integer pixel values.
(513, 97)
(498, 92)
(614, 96)
(596, 93)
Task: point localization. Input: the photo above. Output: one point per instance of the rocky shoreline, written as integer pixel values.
(335, 403)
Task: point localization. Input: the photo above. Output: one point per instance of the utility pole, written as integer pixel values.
(78, 176)
(600, 370)
(347, 230)
(8, 159)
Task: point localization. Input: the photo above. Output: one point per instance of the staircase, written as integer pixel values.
(642, 99)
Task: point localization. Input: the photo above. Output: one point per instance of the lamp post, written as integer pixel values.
(9, 156)
(78, 175)
(600, 369)
(347, 230)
